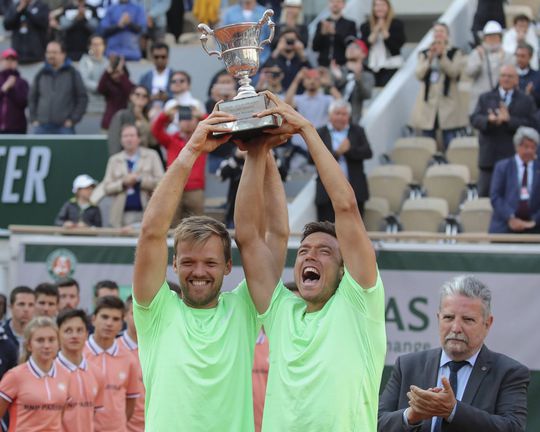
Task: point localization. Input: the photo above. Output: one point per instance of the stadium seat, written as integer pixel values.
(476, 215)
(424, 214)
(534, 6)
(464, 151)
(375, 211)
(415, 152)
(447, 181)
(390, 182)
(517, 8)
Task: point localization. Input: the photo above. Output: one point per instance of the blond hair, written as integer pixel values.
(389, 16)
(30, 329)
(198, 229)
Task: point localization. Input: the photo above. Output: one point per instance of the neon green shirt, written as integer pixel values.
(325, 366)
(197, 362)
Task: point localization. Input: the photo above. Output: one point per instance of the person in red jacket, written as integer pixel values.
(192, 203)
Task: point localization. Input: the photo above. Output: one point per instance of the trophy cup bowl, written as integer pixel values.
(240, 48)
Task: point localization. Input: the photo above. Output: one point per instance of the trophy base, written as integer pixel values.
(246, 126)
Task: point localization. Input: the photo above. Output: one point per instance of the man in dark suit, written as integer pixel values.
(497, 116)
(332, 34)
(463, 387)
(349, 145)
(515, 188)
(529, 79)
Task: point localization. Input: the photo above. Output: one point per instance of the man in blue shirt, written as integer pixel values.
(122, 27)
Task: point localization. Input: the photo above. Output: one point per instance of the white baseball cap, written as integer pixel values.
(492, 27)
(293, 3)
(83, 181)
(171, 103)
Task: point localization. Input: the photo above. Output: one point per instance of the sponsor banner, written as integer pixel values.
(36, 174)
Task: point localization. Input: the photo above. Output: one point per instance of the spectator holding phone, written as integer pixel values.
(116, 86)
(192, 203)
(332, 33)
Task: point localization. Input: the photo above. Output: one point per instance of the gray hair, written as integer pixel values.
(525, 132)
(468, 286)
(339, 103)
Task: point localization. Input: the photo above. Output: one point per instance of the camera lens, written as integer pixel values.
(290, 41)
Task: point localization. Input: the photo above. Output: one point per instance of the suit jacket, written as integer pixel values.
(504, 194)
(532, 76)
(496, 140)
(359, 151)
(150, 169)
(330, 47)
(495, 398)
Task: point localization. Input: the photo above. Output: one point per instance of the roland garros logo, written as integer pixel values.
(61, 263)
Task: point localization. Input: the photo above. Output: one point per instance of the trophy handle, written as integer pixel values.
(207, 31)
(266, 18)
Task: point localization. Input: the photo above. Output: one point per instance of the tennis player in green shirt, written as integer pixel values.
(197, 352)
(327, 347)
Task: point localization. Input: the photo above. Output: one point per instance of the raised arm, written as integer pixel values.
(277, 216)
(355, 245)
(151, 255)
(259, 265)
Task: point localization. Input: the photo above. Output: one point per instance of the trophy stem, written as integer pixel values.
(246, 89)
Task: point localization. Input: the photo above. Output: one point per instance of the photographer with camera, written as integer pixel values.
(289, 55)
(187, 118)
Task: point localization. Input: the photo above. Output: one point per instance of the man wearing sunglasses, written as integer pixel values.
(180, 86)
(158, 79)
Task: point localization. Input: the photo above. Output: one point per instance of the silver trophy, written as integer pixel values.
(240, 47)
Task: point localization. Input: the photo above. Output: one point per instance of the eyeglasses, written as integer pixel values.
(139, 94)
(160, 56)
(353, 59)
(178, 81)
(273, 74)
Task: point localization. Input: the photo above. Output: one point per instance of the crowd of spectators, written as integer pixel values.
(350, 62)
(501, 71)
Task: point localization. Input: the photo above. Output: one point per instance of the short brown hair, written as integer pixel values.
(109, 302)
(198, 229)
(324, 227)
